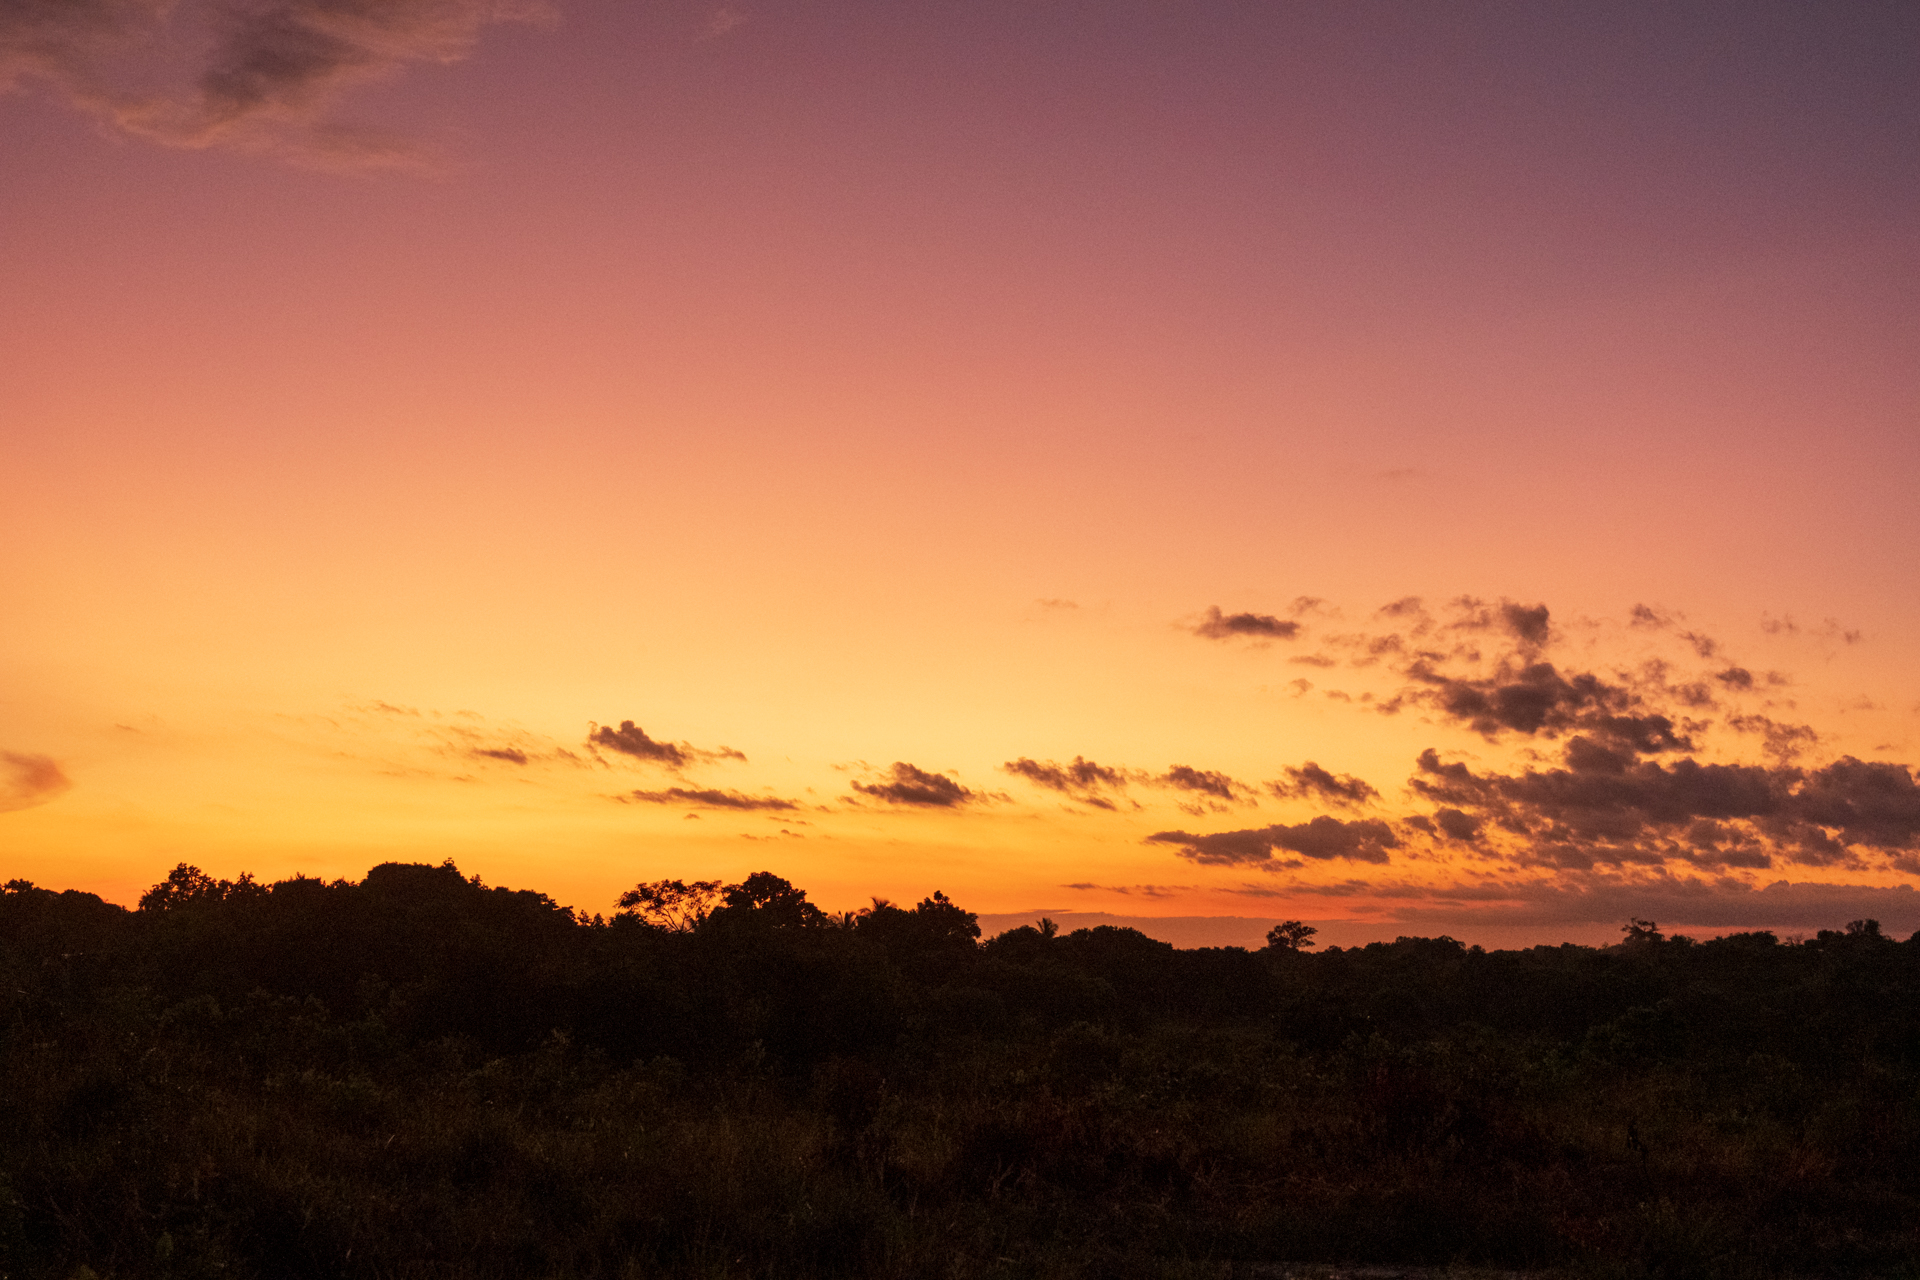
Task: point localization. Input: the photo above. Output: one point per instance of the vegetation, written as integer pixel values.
(418, 1075)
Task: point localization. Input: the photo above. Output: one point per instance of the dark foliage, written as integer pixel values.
(419, 1075)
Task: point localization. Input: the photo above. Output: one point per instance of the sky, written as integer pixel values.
(1416, 469)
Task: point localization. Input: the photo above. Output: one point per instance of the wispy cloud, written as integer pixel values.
(29, 780)
(710, 798)
(256, 75)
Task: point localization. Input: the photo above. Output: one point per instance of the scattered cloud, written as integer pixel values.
(1604, 808)
(1142, 890)
(1311, 782)
(909, 785)
(1206, 782)
(1829, 629)
(29, 780)
(631, 740)
(1782, 742)
(512, 755)
(709, 798)
(1263, 626)
(1093, 784)
(254, 75)
(1360, 840)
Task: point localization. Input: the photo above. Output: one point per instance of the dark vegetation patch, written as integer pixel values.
(417, 1075)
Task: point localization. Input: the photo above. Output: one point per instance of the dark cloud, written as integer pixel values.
(909, 785)
(1323, 838)
(1607, 807)
(711, 799)
(1537, 699)
(512, 755)
(1311, 782)
(27, 781)
(1529, 625)
(254, 74)
(631, 740)
(1219, 626)
(1204, 782)
(1085, 781)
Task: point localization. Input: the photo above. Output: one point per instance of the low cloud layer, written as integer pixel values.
(259, 75)
(28, 780)
(1693, 901)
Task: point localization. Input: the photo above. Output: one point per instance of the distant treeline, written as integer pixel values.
(416, 1075)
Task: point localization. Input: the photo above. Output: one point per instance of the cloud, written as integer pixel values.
(1537, 699)
(1311, 782)
(1085, 781)
(631, 740)
(1206, 782)
(909, 785)
(1607, 808)
(256, 75)
(1784, 742)
(1220, 626)
(512, 755)
(27, 781)
(1362, 840)
(1144, 890)
(708, 798)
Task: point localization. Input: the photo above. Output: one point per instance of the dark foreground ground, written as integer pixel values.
(416, 1076)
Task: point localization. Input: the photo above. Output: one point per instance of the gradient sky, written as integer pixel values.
(884, 406)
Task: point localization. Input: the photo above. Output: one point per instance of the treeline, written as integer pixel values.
(417, 1074)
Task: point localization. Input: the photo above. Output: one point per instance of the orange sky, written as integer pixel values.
(858, 386)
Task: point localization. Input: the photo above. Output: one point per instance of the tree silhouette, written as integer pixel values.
(1291, 935)
(674, 906)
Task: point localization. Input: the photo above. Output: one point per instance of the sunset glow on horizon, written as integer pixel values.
(1414, 470)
